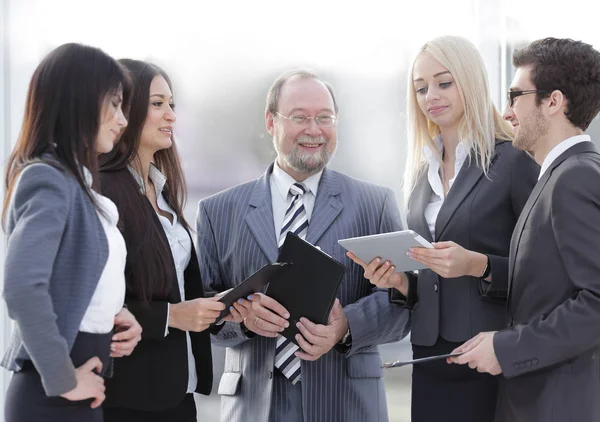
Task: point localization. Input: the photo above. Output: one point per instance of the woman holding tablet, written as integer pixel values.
(465, 186)
(144, 177)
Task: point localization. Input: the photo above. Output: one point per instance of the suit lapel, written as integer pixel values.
(418, 201)
(466, 180)
(531, 201)
(260, 218)
(327, 206)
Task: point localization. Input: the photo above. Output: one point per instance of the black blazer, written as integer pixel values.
(479, 213)
(550, 354)
(155, 375)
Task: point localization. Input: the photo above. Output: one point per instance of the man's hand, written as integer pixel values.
(479, 354)
(129, 333)
(265, 316)
(317, 339)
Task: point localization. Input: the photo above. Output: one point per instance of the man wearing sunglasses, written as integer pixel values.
(549, 355)
(337, 375)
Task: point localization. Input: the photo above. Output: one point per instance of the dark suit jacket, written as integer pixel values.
(155, 376)
(479, 214)
(550, 354)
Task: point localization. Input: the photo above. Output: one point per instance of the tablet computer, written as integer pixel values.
(391, 246)
(252, 284)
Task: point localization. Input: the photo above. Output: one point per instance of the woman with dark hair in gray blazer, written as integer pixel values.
(465, 187)
(64, 271)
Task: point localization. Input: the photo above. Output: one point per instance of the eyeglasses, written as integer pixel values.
(323, 120)
(511, 95)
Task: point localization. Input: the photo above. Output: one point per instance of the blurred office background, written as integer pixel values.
(222, 57)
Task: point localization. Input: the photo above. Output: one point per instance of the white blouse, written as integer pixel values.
(109, 295)
(435, 181)
(180, 244)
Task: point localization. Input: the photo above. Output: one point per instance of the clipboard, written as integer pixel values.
(310, 286)
(391, 246)
(253, 284)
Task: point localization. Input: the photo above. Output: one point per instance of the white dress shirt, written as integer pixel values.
(181, 249)
(108, 298)
(435, 181)
(281, 182)
(559, 149)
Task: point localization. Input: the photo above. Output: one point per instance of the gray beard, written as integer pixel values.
(305, 162)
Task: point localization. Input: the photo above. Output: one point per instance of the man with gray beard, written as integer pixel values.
(336, 375)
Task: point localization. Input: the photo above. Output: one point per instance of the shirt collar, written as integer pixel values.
(158, 179)
(559, 149)
(432, 158)
(284, 181)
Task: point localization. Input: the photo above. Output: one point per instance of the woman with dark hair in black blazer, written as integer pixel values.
(64, 279)
(144, 177)
(465, 187)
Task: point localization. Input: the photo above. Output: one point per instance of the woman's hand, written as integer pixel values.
(450, 260)
(383, 274)
(195, 315)
(129, 333)
(89, 384)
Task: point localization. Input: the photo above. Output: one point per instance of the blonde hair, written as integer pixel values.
(481, 123)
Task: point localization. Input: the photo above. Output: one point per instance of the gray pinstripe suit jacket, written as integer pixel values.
(236, 236)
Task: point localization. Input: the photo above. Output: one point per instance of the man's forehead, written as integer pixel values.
(305, 92)
(522, 79)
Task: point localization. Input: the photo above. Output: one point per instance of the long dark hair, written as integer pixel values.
(63, 111)
(149, 263)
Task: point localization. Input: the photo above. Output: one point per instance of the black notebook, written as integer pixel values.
(253, 284)
(308, 289)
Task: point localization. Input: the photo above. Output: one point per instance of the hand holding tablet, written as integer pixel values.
(391, 247)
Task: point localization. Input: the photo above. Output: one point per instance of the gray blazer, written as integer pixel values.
(479, 214)
(550, 354)
(236, 237)
(56, 252)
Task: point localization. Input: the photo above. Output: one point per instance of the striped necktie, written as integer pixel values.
(295, 221)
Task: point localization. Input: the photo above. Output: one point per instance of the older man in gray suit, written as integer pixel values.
(550, 353)
(337, 375)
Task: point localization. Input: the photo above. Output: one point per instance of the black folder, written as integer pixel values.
(309, 288)
(252, 284)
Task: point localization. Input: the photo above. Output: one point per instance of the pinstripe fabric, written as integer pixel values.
(236, 236)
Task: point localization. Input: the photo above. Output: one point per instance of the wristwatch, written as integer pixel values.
(347, 339)
(488, 269)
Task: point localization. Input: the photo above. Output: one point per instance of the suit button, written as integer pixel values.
(270, 375)
(435, 287)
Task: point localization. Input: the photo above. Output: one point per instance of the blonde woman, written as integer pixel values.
(465, 187)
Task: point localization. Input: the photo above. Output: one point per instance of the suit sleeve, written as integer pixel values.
(373, 319)
(572, 327)
(37, 220)
(523, 177)
(152, 316)
(230, 333)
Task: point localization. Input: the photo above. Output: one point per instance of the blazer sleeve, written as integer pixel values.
(37, 220)
(152, 316)
(524, 172)
(572, 327)
(373, 319)
(228, 334)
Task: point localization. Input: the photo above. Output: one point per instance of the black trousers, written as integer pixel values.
(26, 400)
(450, 392)
(183, 412)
